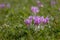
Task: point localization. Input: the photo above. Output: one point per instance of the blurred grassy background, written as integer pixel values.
(12, 25)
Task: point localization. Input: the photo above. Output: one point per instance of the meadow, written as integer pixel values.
(13, 14)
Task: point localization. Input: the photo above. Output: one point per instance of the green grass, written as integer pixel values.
(12, 26)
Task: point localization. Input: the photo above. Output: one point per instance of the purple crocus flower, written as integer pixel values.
(53, 2)
(42, 19)
(2, 5)
(34, 9)
(36, 20)
(39, 4)
(27, 21)
(46, 20)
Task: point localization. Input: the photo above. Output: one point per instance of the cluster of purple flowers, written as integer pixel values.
(37, 20)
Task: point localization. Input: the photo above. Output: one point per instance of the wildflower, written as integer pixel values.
(27, 21)
(34, 9)
(2, 5)
(53, 2)
(41, 19)
(46, 20)
(40, 4)
(37, 20)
